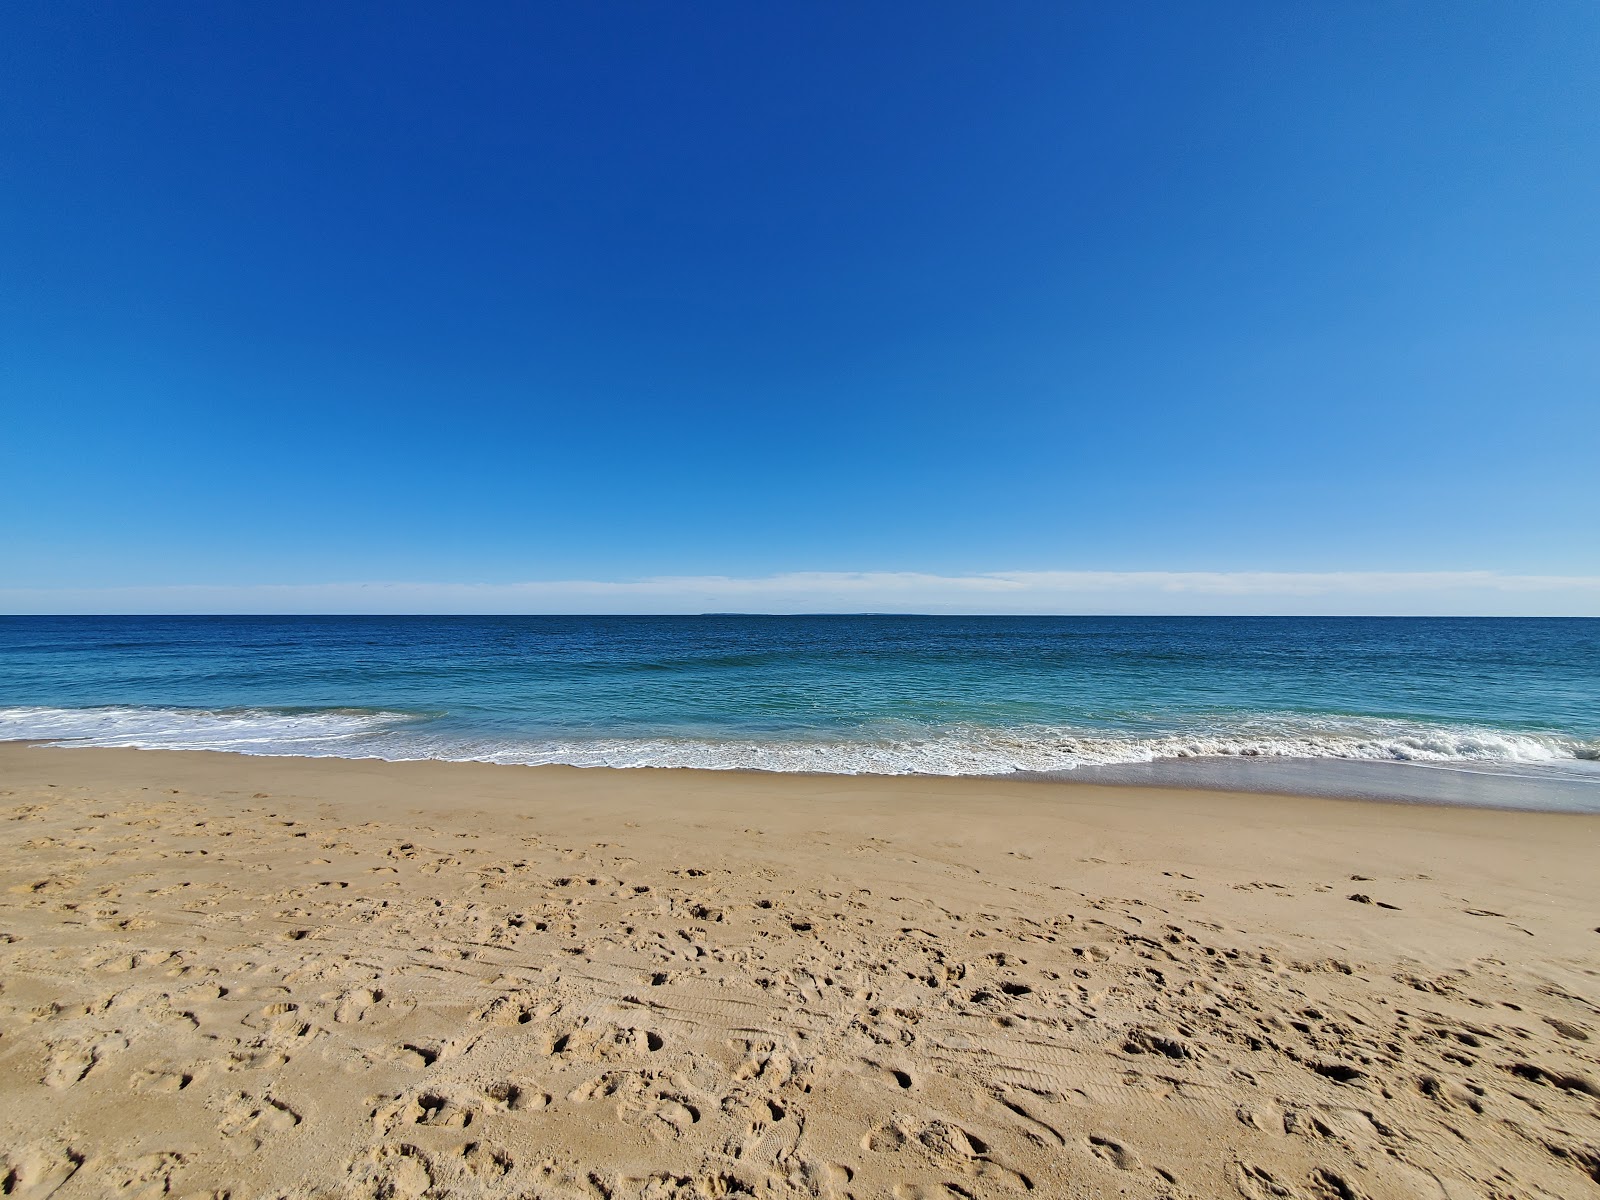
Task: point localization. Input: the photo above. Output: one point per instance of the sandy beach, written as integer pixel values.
(254, 977)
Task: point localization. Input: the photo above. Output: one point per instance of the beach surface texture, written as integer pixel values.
(283, 977)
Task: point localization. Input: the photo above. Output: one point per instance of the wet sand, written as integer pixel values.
(300, 978)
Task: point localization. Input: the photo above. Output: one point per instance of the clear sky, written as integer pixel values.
(312, 294)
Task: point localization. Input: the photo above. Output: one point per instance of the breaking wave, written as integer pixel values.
(967, 749)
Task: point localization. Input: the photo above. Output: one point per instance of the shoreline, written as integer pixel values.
(324, 976)
(1432, 785)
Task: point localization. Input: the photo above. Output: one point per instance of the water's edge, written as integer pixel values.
(1327, 779)
(1503, 711)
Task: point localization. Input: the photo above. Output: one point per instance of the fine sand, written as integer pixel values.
(293, 978)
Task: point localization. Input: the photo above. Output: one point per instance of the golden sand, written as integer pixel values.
(296, 978)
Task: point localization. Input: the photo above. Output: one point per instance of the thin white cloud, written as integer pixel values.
(1486, 593)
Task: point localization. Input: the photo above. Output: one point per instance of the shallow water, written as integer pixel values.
(1516, 699)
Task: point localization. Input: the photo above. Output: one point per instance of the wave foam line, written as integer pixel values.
(192, 729)
(965, 750)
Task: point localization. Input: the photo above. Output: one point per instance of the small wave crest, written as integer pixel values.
(243, 730)
(957, 750)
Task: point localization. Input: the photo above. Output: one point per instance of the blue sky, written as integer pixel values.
(316, 295)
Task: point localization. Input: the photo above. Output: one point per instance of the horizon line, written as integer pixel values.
(900, 593)
(941, 616)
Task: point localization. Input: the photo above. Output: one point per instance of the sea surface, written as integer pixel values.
(1500, 711)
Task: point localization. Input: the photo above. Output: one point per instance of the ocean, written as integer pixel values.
(1500, 711)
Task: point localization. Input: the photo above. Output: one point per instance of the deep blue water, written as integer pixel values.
(938, 695)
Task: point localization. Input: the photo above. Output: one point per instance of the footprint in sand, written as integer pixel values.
(485, 1163)
(884, 1139)
(517, 1008)
(1257, 1183)
(1567, 1029)
(35, 1172)
(391, 1173)
(1113, 1152)
(605, 1044)
(73, 1059)
(951, 1147)
(161, 1082)
(354, 1005)
(432, 1108)
(147, 1175)
(250, 1121)
(661, 1105)
(505, 1096)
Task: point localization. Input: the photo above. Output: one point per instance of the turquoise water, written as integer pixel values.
(931, 695)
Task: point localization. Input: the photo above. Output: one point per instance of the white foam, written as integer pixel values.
(959, 750)
(246, 730)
